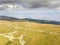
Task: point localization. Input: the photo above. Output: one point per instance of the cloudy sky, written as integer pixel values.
(37, 9)
(52, 4)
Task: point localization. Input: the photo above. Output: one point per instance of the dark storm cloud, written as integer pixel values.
(32, 3)
(53, 4)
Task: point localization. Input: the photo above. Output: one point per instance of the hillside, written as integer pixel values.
(29, 20)
(28, 33)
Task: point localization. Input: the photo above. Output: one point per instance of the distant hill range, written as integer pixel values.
(30, 20)
(8, 18)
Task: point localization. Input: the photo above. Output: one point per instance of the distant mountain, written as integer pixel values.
(43, 21)
(30, 20)
(8, 18)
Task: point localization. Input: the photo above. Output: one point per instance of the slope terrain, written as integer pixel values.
(28, 33)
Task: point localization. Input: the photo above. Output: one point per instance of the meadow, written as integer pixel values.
(28, 33)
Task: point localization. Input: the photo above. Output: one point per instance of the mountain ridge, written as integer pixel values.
(30, 20)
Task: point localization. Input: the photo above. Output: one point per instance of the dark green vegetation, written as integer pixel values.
(30, 20)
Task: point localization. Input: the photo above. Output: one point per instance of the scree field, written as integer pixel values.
(28, 33)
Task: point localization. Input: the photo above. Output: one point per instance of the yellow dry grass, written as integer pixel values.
(33, 37)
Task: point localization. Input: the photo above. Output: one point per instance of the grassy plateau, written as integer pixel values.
(28, 33)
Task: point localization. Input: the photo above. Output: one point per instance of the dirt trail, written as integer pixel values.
(9, 35)
(21, 40)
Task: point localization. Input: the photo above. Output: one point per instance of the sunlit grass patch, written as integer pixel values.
(35, 33)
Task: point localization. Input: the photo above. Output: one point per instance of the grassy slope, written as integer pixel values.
(32, 37)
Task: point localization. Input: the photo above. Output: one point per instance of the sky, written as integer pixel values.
(35, 9)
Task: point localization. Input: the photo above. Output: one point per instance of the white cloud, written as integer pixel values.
(10, 7)
(57, 8)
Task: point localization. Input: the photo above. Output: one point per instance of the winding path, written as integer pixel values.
(21, 40)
